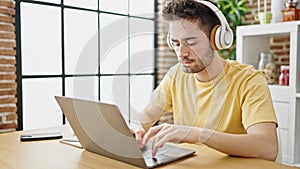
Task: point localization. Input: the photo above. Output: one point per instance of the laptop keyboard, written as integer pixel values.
(162, 157)
(147, 154)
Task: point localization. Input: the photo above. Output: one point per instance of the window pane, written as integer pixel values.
(144, 8)
(141, 46)
(113, 44)
(141, 88)
(81, 42)
(51, 1)
(39, 106)
(115, 90)
(115, 6)
(90, 4)
(82, 87)
(41, 39)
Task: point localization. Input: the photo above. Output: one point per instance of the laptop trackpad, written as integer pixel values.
(164, 154)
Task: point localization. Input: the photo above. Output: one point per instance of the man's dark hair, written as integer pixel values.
(190, 10)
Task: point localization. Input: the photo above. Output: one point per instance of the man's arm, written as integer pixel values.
(260, 140)
(143, 121)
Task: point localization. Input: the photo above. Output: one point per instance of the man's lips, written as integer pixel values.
(186, 62)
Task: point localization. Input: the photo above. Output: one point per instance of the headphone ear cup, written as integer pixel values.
(214, 37)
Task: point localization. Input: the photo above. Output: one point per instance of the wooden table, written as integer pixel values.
(52, 154)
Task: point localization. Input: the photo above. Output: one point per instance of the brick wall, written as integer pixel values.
(279, 46)
(8, 100)
(166, 56)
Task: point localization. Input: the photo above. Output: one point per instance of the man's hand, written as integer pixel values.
(139, 132)
(170, 133)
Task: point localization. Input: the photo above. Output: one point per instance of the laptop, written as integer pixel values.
(101, 128)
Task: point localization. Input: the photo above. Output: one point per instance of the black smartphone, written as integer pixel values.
(40, 136)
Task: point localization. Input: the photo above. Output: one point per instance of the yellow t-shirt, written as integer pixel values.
(236, 99)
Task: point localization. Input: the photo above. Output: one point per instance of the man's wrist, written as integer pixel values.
(204, 135)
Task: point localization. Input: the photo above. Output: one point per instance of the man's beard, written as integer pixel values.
(198, 64)
(197, 67)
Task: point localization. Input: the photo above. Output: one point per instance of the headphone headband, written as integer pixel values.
(216, 11)
(221, 36)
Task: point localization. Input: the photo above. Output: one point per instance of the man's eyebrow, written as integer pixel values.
(185, 39)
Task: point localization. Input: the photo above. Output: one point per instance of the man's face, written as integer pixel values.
(191, 45)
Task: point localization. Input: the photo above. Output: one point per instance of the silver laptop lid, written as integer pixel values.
(89, 117)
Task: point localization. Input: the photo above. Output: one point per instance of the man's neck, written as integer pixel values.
(212, 70)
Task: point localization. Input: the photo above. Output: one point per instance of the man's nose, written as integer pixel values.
(183, 50)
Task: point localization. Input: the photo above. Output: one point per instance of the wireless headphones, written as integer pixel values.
(221, 36)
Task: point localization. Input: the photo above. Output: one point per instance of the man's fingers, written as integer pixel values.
(161, 139)
(154, 149)
(151, 132)
(138, 136)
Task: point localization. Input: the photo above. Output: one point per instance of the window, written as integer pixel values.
(96, 50)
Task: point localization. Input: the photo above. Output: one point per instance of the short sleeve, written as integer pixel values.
(162, 96)
(257, 105)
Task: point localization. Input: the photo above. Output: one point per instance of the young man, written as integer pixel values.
(220, 103)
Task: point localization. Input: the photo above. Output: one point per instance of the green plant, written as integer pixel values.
(234, 11)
